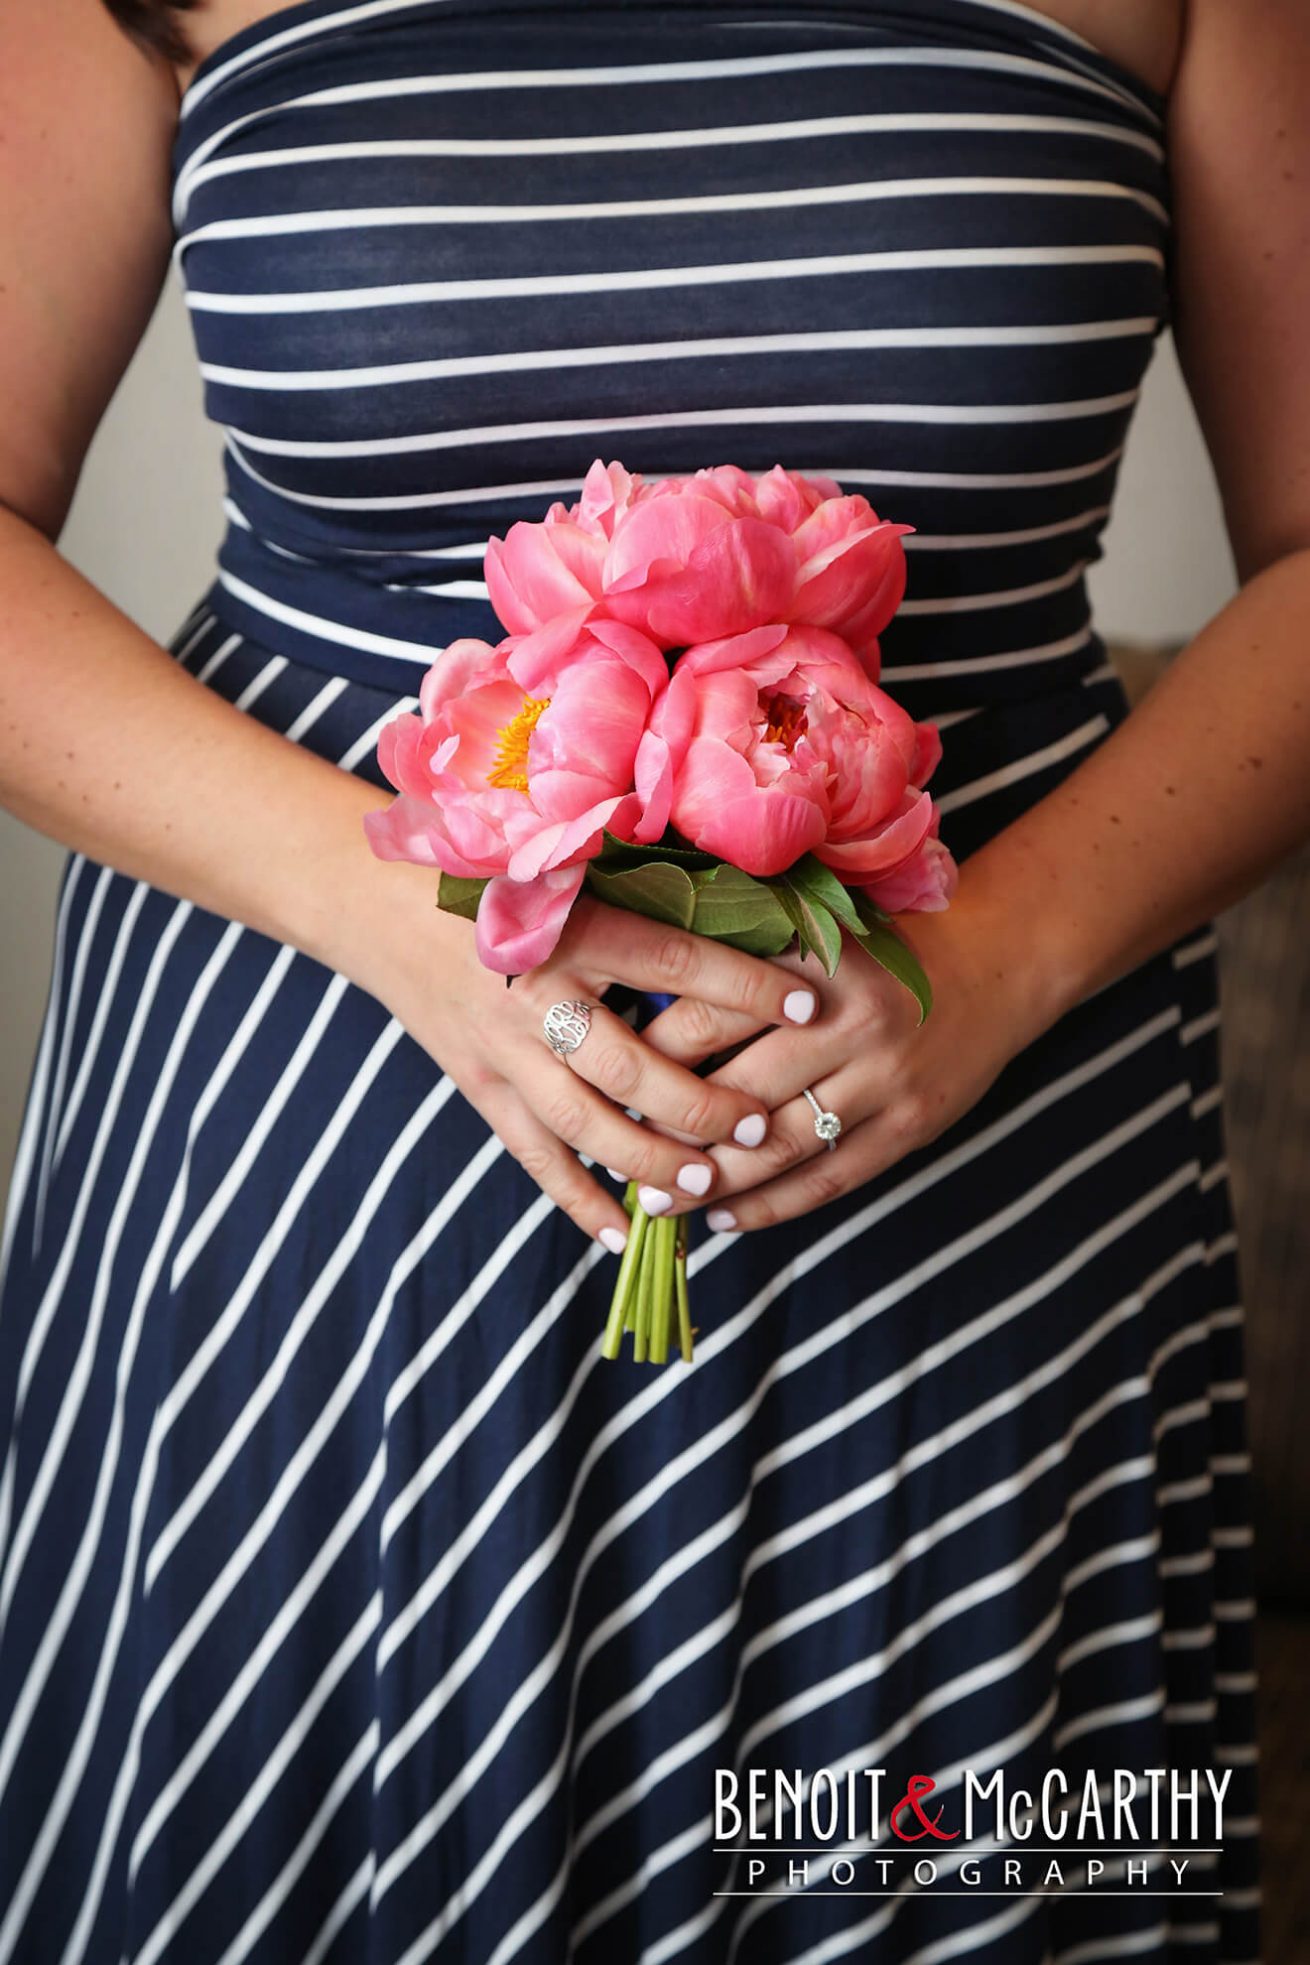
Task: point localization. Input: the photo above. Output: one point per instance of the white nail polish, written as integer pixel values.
(614, 1174)
(721, 1220)
(654, 1200)
(798, 1006)
(695, 1178)
(750, 1131)
(614, 1239)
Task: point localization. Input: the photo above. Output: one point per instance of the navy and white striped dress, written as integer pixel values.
(353, 1609)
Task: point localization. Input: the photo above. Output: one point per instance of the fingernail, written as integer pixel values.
(614, 1239)
(654, 1199)
(798, 1005)
(695, 1177)
(721, 1220)
(750, 1131)
(614, 1174)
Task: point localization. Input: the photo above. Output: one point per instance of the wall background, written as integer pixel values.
(147, 521)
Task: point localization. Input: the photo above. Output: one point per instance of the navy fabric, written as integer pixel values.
(351, 1607)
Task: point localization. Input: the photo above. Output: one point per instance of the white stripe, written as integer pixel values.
(730, 418)
(1003, 597)
(1025, 767)
(625, 75)
(315, 708)
(367, 742)
(1194, 1565)
(733, 136)
(104, 1005)
(1128, 1630)
(1122, 1713)
(288, 381)
(372, 218)
(218, 658)
(1130, 1945)
(254, 1141)
(654, 278)
(269, 44)
(289, 1875)
(960, 542)
(1199, 1027)
(1015, 658)
(36, 1110)
(54, 1110)
(466, 496)
(351, 1897)
(317, 624)
(1196, 951)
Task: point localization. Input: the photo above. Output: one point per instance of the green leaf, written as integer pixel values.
(622, 853)
(818, 883)
(459, 896)
(816, 930)
(733, 907)
(864, 907)
(656, 888)
(891, 952)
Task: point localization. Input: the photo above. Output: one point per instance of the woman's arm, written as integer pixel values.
(1206, 784)
(110, 746)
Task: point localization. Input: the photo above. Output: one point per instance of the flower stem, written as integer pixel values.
(624, 1292)
(680, 1287)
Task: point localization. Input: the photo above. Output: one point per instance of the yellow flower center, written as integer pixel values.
(510, 771)
(784, 721)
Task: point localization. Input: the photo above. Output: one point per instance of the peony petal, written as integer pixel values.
(519, 922)
(922, 884)
(861, 860)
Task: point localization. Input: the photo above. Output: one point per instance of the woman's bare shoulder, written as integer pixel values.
(88, 120)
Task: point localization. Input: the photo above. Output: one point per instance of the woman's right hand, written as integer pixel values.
(548, 1110)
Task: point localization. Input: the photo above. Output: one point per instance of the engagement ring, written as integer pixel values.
(826, 1124)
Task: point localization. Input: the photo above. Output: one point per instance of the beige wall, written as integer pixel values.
(146, 523)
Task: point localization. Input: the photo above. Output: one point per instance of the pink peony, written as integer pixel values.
(922, 884)
(694, 559)
(521, 756)
(776, 743)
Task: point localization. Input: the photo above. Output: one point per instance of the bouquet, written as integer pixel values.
(684, 718)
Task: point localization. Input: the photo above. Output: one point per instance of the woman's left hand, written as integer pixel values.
(895, 1084)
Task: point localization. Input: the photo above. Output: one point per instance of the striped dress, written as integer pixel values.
(352, 1608)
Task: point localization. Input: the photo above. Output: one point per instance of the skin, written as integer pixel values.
(1152, 834)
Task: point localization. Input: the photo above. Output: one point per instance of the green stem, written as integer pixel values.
(680, 1286)
(666, 1232)
(612, 1343)
(646, 1277)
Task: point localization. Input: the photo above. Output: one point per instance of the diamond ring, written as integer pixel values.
(826, 1124)
(565, 1025)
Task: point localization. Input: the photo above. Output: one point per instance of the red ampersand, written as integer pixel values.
(913, 1798)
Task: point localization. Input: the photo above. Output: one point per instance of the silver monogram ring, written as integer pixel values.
(826, 1124)
(565, 1025)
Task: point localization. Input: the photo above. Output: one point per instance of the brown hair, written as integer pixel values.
(152, 22)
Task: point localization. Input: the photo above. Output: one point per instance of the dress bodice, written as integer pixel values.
(439, 254)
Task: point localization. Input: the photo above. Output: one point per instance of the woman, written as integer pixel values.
(353, 1608)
